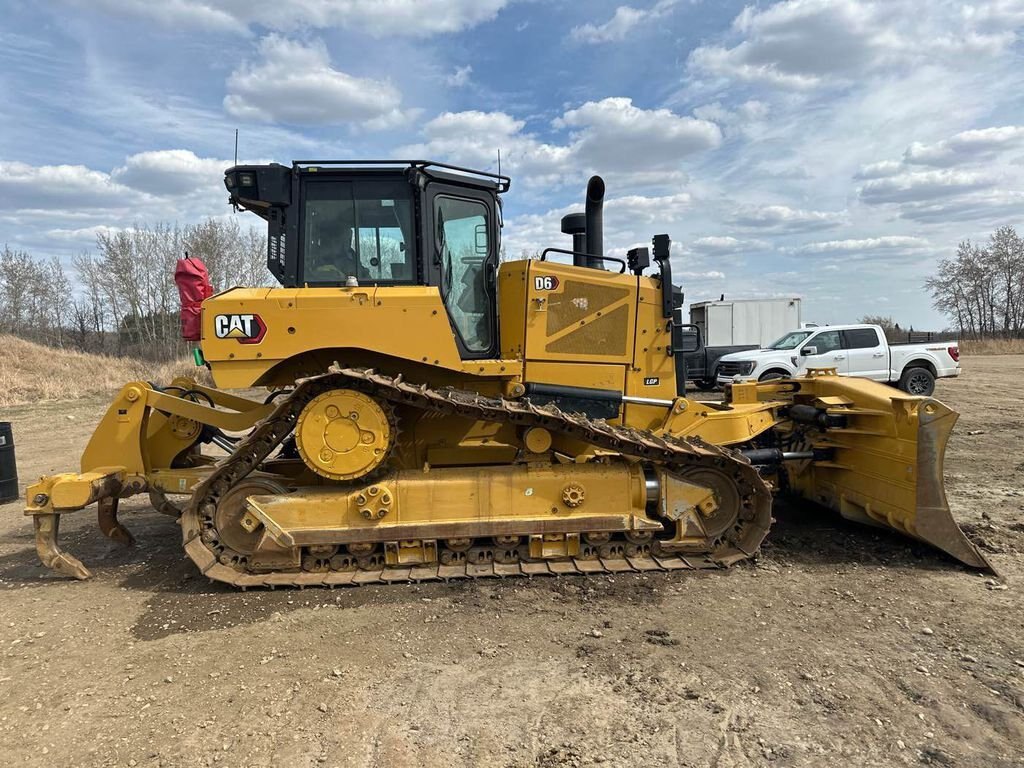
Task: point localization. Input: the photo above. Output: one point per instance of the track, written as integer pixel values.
(677, 455)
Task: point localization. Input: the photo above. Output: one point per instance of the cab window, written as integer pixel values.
(861, 338)
(362, 229)
(827, 341)
(462, 239)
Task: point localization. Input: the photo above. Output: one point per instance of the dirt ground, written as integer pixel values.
(842, 645)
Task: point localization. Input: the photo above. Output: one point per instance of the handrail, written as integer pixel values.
(546, 251)
(504, 182)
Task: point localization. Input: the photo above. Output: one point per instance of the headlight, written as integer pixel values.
(747, 366)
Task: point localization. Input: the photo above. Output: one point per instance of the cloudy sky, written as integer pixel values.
(833, 149)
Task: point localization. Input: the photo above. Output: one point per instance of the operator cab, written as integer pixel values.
(387, 223)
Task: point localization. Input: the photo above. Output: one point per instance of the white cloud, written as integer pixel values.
(411, 18)
(453, 125)
(24, 186)
(83, 234)
(58, 208)
(740, 119)
(460, 77)
(778, 218)
(473, 138)
(615, 134)
(887, 242)
(724, 245)
(994, 15)
(879, 170)
(995, 206)
(795, 44)
(805, 44)
(295, 83)
(638, 209)
(966, 146)
(717, 243)
(189, 13)
(877, 93)
(628, 222)
(610, 136)
(922, 185)
(961, 178)
(622, 22)
(724, 63)
(170, 172)
(712, 274)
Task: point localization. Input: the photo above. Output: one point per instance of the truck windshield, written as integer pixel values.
(790, 341)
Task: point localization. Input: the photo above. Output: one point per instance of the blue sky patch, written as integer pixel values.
(834, 149)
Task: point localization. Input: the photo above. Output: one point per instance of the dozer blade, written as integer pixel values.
(934, 522)
(885, 468)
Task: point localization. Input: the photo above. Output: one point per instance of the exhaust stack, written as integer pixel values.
(595, 221)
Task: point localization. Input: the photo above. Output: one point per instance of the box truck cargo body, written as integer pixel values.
(742, 322)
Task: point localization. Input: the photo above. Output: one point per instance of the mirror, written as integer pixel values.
(809, 350)
(685, 338)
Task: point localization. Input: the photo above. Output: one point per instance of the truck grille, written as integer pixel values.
(729, 368)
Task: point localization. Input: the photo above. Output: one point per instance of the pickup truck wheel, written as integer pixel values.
(771, 376)
(917, 381)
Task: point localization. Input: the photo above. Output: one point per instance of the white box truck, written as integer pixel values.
(739, 322)
(734, 326)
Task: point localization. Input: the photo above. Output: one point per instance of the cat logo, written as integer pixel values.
(246, 329)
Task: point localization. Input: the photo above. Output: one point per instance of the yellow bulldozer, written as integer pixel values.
(434, 412)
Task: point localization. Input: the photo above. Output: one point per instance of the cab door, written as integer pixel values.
(463, 232)
(828, 352)
(867, 354)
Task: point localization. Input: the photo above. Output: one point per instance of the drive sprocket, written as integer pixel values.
(343, 434)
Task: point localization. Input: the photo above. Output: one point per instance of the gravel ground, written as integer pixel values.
(840, 645)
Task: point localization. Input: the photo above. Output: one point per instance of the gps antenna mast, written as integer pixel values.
(236, 146)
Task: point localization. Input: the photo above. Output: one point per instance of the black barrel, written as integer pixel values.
(8, 469)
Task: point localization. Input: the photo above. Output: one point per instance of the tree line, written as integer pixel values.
(981, 289)
(121, 298)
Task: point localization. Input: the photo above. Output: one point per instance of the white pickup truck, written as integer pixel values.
(853, 350)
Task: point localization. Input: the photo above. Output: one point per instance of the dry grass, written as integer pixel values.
(31, 372)
(993, 347)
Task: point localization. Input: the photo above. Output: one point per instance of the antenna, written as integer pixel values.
(499, 161)
(236, 146)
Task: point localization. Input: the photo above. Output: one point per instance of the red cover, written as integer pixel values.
(193, 283)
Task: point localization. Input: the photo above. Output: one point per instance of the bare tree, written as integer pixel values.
(34, 297)
(232, 256)
(889, 327)
(981, 290)
(123, 298)
(17, 272)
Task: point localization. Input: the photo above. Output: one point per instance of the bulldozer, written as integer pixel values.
(436, 412)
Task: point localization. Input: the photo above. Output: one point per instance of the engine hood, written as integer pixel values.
(752, 354)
